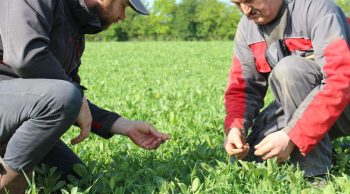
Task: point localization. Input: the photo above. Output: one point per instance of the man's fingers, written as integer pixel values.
(237, 141)
(228, 147)
(84, 120)
(156, 133)
(152, 130)
(165, 137)
(281, 159)
(156, 143)
(231, 148)
(237, 151)
(240, 153)
(82, 136)
(151, 144)
(262, 143)
(245, 152)
(268, 155)
(263, 150)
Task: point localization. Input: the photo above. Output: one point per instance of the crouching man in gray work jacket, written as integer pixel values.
(301, 50)
(41, 42)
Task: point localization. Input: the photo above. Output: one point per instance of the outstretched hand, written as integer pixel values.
(141, 133)
(146, 136)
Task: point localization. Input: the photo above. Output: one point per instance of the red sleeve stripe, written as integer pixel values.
(235, 97)
(96, 125)
(294, 44)
(258, 50)
(328, 104)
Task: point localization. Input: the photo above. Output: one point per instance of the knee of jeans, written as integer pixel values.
(289, 68)
(67, 95)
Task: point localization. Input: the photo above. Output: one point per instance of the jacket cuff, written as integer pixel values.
(240, 124)
(296, 137)
(104, 130)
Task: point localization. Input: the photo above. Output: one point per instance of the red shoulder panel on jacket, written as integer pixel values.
(258, 50)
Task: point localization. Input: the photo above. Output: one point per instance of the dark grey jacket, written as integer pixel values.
(45, 39)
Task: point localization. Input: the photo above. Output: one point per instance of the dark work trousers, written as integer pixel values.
(291, 81)
(62, 157)
(34, 113)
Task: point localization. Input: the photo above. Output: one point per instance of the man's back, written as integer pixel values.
(48, 29)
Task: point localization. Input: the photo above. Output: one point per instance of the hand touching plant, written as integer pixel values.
(141, 133)
(235, 144)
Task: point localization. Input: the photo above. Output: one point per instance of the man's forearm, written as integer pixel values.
(121, 126)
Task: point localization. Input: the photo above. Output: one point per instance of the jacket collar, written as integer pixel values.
(89, 22)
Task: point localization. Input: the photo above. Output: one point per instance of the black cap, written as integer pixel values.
(138, 6)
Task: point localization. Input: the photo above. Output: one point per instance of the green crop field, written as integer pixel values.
(178, 87)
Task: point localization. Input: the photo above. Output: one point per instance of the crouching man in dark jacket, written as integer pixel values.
(41, 42)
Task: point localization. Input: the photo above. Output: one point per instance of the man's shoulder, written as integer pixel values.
(34, 5)
(248, 31)
(45, 8)
(314, 5)
(245, 23)
(314, 10)
(28, 8)
(49, 3)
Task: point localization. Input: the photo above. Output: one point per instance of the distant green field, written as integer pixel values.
(179, 87)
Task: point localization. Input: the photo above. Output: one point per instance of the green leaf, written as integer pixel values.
(59, 185)
(244, 164)
(195, 184)
(64, 191)
(81, 170)
(74, 190)
(183, 187)
(111, 183)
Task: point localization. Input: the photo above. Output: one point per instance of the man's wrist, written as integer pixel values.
(242, 131)
(291, 144)
(121, 126)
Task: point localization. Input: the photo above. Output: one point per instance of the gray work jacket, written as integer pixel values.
(313, 26)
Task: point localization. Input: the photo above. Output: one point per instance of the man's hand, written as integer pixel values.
(84, 121)
(277, 145)
(235, 144)
(141, 133)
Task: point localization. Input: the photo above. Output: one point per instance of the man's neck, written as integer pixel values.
(279, 15)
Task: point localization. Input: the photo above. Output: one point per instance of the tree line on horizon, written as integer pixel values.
(187, 20)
